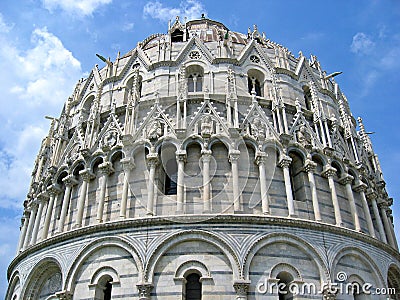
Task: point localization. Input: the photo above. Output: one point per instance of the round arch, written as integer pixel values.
(39, 274)
(14, 288)
(96, 245)
(364, 257)
(287, 238)
(183, 236)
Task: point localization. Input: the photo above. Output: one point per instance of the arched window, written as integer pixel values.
(297, 176)
(177, 36)
(193, 287)
(307, 97)
(104, 288)
(171, 177)
(195, 82)
(285, 279)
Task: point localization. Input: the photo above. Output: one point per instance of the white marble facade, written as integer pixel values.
(207, 163)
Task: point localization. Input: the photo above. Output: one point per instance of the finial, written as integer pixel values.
(298, 105)
(203, 16)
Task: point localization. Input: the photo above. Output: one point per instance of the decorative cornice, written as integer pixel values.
(185, 220)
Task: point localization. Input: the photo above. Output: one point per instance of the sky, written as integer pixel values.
(46, 46)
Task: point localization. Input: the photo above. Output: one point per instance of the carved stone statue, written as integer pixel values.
(303, 137)
(206, 126)
(154, 130)
(258, 129)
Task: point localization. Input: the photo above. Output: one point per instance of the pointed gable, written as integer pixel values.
(302, 133)
(194, 44)
(207, 121)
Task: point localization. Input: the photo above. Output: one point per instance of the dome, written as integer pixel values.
(205, 164)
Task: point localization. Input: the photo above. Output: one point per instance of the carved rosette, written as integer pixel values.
(144, 290)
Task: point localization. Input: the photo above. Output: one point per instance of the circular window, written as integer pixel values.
(254, 59)
(194, 54)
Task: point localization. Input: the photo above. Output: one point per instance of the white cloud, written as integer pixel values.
(128, 26)
(362, 44)
(191, 9)
(35, 82)
(81, 7)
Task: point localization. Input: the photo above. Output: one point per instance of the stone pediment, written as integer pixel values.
(110, 135)
(304, 73)
(207, 121)
(155, 125)
(257, 125)
(302, 133)
(72, 150)
(253, 48)
(194, 44)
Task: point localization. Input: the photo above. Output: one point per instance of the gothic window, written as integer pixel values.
(177, 36)
(195, 83)
(307, 97)
(193, 287)
(168, 169)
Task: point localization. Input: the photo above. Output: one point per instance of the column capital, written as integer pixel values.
(234, 155)
(128, 163)
(346, 179)
(241, 288)
(329, 171)
(310, 166)
(371, 194)
(53, 190)
(206, 155)
(86, 175)
(360, 187)
(70, 180)
(152, 159)
(64, 295)
(181, 155)
(106, 168)
(144, 289)
(284, 161)
(42, 196)
(261, 157)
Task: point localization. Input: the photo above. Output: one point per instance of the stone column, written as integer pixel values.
(31, 223)
(372, 197)
(233, 158)
(86, 176)
(360, 188)
(387, 224)
(309, 167)
(284, 163)
(128, 165)
(105, 169)
(69, 182)
(206, 157)
(241, 288)
(152, 160)
(181, 159)
(53, 191)
(260, 161)
(144, 290)
(42, 197)
(347, 180)
(25, 221)
(329, 172)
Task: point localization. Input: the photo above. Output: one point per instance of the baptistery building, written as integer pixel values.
(206, 164)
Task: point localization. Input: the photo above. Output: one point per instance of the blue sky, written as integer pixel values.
(47, 45)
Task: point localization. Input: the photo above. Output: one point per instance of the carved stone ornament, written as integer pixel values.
(258, 129)
(254, 59)
(303, 137)
(110, 139)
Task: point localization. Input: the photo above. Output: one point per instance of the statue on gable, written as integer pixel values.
(258, 129)
(303, 137)
(206, 126)
(154, 130)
